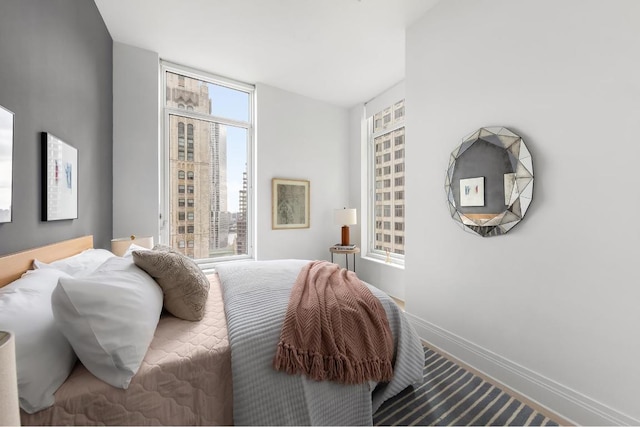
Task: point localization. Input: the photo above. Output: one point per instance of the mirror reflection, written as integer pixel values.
(489, 181)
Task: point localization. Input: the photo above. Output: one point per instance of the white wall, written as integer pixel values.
(135, 141)
(297, 138)
(551, 308)
(300, 138)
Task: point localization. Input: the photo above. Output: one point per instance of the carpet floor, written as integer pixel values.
(450, 395)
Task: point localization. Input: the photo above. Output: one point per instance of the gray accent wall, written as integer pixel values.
(56, 76)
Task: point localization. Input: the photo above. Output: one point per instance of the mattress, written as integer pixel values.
(185, 379)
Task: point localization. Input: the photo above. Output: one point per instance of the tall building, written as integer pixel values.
(241, 219)
(220, 216)
(199, 221)
(389, 179)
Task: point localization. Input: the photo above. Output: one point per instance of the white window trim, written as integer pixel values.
(164, 179)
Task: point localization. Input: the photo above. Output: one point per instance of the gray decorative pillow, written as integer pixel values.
(184, 285)
(165, 248)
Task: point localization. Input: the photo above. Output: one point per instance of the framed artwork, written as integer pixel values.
(59, 179)
(6, 164)
(472, 191)
(289, 203)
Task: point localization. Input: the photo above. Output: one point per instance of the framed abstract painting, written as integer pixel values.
(289, 204)
(6, 164)
(59, 179)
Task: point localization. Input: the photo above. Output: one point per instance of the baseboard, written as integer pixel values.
(569, 404)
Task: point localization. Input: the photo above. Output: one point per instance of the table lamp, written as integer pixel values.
(9, 406)
(119, 246)
(345, 217)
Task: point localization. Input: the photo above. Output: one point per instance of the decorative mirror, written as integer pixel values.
(489, 181)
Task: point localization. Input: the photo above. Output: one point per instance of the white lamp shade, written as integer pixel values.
(9, 406)
(345, 216)
(119, 246)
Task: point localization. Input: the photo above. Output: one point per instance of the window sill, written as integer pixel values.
(381, 260)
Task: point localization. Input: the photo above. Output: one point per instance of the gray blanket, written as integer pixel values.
(256, 294)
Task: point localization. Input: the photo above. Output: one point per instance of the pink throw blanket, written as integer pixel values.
(335, 329)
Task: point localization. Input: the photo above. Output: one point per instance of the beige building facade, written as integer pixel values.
(389, 143)
(198, 223)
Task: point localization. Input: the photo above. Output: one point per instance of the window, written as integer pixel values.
(180, 134)
(181, 216)
(190, 142)
(180, 174)
(181, 229)
(219, 123)
(386, 151)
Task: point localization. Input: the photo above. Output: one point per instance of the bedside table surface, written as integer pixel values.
(344, 251)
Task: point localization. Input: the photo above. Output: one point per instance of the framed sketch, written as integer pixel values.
(59, 179)
(289, 203)
(6, 164)
(472, 191)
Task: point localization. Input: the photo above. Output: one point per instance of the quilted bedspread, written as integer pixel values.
(185, 379)
(256, 294)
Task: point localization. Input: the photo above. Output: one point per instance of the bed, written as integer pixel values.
(217, 371)
(184, 379)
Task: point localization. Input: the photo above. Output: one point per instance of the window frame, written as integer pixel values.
(373, 152)
(165, 179)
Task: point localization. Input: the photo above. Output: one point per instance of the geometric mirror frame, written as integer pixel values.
(489, 181)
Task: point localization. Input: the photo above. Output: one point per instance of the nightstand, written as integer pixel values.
(346, 253)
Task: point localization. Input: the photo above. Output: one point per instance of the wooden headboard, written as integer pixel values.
(14, 265)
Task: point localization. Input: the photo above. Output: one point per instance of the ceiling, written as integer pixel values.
(343, 52)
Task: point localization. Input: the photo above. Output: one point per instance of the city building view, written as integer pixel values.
(202, 222)
(388, 139)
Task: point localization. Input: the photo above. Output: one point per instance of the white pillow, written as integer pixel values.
(82, 264)
(132, 248)
(44, 357)
(109, 317)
